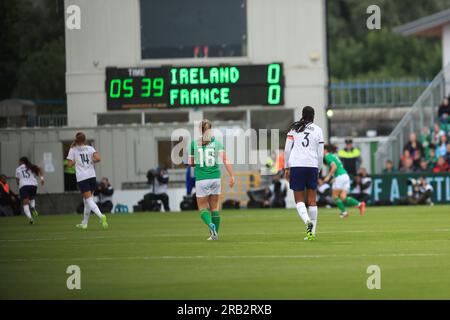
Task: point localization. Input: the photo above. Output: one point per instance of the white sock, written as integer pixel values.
(33, 203)
(86, 213)
(313, 212)
(302, 212)
(26, 209)
(90, 201)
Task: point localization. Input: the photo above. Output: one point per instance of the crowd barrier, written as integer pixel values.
(390, 187)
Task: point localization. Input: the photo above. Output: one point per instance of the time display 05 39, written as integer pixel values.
(222, 85)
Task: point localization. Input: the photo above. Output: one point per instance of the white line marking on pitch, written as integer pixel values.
(225, 257)
(194, 235)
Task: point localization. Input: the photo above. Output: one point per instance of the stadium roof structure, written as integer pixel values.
(429, 26)
(433, 26)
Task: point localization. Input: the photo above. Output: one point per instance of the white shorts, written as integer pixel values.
(207, 187)
(342, 182)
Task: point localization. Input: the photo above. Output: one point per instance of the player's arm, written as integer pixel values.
(96, 157)
(333, 168)
(228, 167)
(320, 150)
(41, 176)
(320, 156)
(191, 158)
(287, 152)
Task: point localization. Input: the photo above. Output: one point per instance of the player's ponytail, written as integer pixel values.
(80, 139)
(205, 127)
(34, 168)
(307, 118)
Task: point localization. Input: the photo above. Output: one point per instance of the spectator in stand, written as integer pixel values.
(416, 159)
(441, 147)
(441, 165)
(444, 111)
(432, 159)
(405, 156)
(413, 145)
(350, 157)
(437, 134)
(389, 167)
(407, 166)
(423, 166)
(425, 140)
(447, 156)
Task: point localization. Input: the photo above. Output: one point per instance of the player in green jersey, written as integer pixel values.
(341, 183)
(204, 154)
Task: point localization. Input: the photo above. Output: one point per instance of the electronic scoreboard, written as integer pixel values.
(167, 87)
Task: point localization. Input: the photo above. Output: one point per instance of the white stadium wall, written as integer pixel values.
(287, 31)
(291, 32)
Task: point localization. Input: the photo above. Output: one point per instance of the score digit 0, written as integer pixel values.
(273, 79)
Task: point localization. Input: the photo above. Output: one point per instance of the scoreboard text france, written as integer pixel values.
(221, 85)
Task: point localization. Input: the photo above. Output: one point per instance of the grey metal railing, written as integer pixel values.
(50, 120)
(377, 93)
(422, 113)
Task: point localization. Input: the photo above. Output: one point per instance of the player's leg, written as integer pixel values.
(205, 215)
(86, 214)
(214, 205)
(299, 197)
(349, 201)
(203, 192)
(313, 211)
(26, 209)
(25, 201)
(297, 182)
(352, 202)
(87, 187)
(33, 202)
(336, 194)
(339, 194)
(311, 194)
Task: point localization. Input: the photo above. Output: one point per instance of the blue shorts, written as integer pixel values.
(88, 185)
(28, 192)
(302, 178)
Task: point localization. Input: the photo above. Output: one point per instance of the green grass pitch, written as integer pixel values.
(261, 255)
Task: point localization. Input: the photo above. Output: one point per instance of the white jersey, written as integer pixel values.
(307, 148)
(367, 190)
(26, 176)
(84, 164)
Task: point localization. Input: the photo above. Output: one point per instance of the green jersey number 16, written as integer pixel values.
(206, 157)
